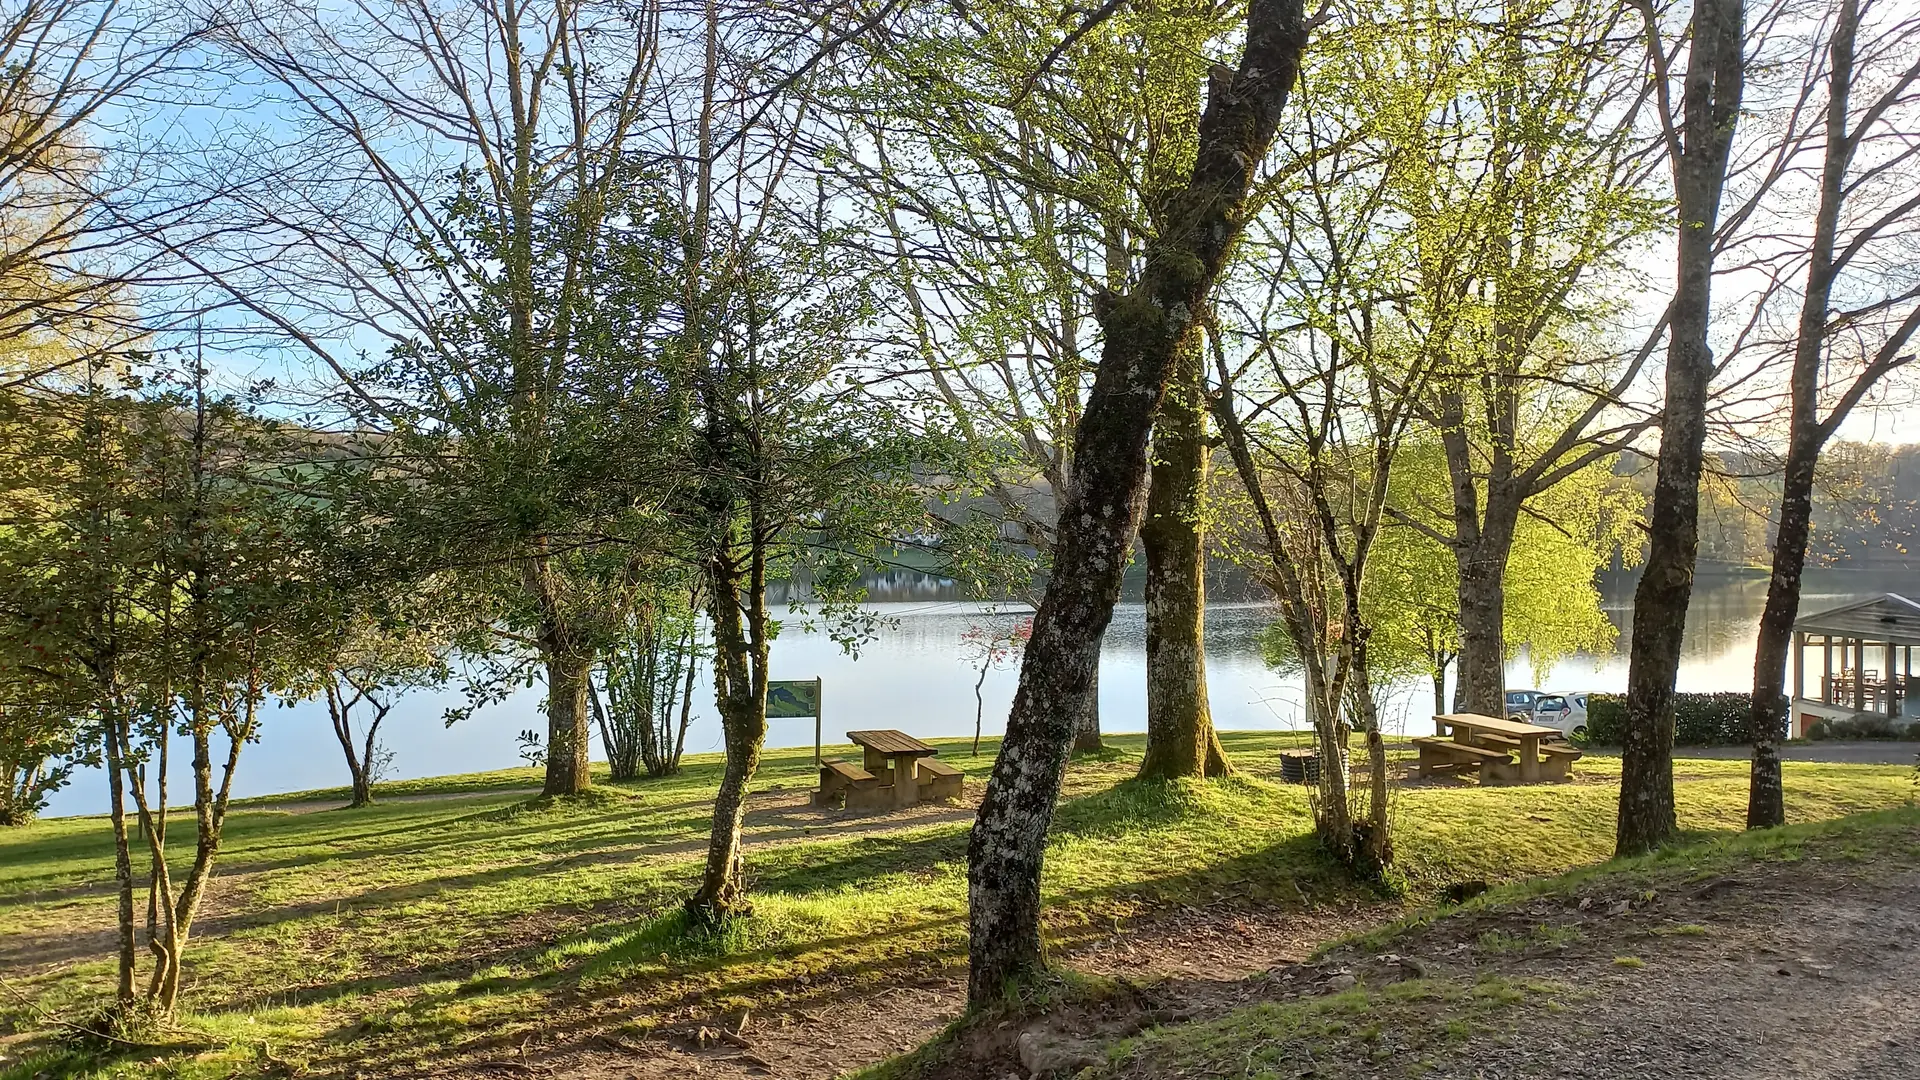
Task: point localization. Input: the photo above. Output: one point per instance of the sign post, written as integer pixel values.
(795, 698)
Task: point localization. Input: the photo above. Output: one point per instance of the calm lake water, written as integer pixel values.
(912, 676)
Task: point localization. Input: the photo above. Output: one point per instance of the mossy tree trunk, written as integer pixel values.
(1180, 736)
(736, 580)
(1099, 513)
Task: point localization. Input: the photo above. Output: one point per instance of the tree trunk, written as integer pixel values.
(1766, 800)
(122, 855)
(1711, 104)
(1099, 512)
(1373, 854)
(340, 712)
(1180, 736)
(1480, 684)
(568, 736)
(740, 693)
(1086, 730)
(979, 707)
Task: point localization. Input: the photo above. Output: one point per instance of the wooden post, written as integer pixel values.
(1799, 667)
(1826, 675)
(1859, 674)
(1890, 686)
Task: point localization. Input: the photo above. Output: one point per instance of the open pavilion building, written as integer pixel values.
(1854, 659)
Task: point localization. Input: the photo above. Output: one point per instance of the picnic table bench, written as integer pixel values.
(1485, 743)
(897, 770)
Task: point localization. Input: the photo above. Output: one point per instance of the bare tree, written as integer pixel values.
(76, 76)
(1859, 305)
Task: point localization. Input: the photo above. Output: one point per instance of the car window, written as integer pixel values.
(1580, 700)
(1551, 704)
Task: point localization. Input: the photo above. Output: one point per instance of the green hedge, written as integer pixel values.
(1698, 719)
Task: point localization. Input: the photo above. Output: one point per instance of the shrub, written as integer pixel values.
(1863, 726)
(1698, 719)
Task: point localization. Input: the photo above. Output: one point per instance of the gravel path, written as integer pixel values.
(1848, 753)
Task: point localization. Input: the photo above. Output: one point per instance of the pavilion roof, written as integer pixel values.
(1889, 618)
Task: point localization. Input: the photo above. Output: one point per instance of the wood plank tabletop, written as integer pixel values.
(1477, 722)
(889, 741)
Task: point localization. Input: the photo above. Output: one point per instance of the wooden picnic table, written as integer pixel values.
(1472, 729)
(892, 756)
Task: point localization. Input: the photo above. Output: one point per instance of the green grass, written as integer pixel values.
(421, 931)
(1398, 1030)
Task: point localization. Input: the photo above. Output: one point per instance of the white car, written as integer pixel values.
(1565, 712)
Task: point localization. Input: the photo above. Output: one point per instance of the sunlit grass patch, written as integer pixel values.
(437, 930)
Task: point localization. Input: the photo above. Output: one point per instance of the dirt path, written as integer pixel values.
(314, 806)
(824, 1031)
(1804, 968)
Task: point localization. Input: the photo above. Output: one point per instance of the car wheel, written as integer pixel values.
(1580, 734)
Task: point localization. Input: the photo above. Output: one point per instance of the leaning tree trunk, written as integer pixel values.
(1099, 513)
(1180, 736)
(1711, 104)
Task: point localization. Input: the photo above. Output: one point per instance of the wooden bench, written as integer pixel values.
(1556, 760)
(1439, 755)
(939, 780)
(1500, 742)
(842, 781)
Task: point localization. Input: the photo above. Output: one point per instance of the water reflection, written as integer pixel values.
(912, 676)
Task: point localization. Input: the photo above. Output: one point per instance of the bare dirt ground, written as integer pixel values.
(827, 1030)
(1805, 968)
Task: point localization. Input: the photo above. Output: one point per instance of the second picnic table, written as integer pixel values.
(1475, 733)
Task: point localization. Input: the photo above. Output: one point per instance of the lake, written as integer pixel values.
(912, 677)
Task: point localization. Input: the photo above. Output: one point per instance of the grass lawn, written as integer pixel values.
(432, 929)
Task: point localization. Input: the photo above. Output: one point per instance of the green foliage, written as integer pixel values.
(1698, 719)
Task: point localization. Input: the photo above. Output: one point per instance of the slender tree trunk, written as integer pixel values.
(340, 713)
(1180, 736)
(114, 729)
(740, 692)
(1375, 854)
(1099, 512)
(1711, 103)
(1086, 730)
(1766, 800)
(979, 707)
(672, 764)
